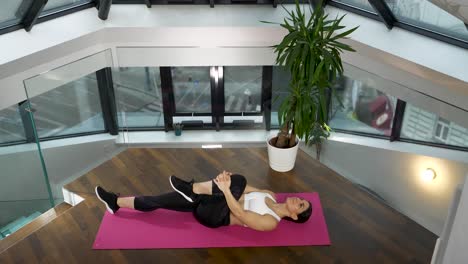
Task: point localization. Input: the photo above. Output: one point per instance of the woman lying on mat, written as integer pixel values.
(226, 200)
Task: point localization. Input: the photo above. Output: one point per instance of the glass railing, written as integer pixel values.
(16, 214)
(61, 102)
(66, 100)
(25, 191)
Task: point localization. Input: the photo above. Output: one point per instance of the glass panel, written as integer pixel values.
(66, 100)
(422, 125)
(280, 88)
(13, 11)
(23, 191)
(69, 109)
(192, 89)
(12, 128)
(63, 101)
(56, 5)
(139, 97)
(361, 4)
(423, 13)
(243, 89)
(364, 108)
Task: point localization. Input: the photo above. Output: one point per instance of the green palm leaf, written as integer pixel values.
(311, 51)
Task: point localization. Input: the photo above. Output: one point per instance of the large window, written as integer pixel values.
(12, 11)
(422, 125)
(138, 95)
(69, 109)
(58, 5)
(363, 108)
(242, 89)
(192, 89)
(422, 13)
(11, 126)
(361, 4)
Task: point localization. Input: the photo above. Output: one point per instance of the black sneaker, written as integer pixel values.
(108, 198)
(183, 187)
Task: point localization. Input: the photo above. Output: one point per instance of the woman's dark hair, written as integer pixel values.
(302, 217)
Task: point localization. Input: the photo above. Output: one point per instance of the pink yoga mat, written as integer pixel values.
(129, 229)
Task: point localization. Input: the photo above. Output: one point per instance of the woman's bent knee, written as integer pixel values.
(238, 184)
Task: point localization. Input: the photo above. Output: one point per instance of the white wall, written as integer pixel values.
(456, 252)
(396, 177)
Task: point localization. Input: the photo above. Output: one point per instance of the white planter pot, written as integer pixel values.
(282, 160)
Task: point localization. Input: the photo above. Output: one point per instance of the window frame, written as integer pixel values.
(413, 28)
(47, 17)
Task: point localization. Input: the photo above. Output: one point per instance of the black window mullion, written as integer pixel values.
(329, 104)
(26, 120)
(221, 102)
(314, 3)
(167, 96)
(384, 12)
(33, 13)
(267, 82)
(107, 99)
(398, 120)
(215, 94)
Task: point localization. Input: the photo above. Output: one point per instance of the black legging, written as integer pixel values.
(210, 210)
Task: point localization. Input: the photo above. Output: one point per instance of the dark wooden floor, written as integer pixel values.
(362, 229)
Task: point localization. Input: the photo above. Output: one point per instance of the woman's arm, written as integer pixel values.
(251, 219)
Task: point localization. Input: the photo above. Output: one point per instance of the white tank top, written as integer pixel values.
(255, 202)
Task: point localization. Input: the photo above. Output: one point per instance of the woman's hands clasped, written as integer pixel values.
(223, 181)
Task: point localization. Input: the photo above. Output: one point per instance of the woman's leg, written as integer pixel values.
(202, 187)
(126, 202)
(170, 201)
(192, 190)
(167, 201)
(238, 183)
(212, 210)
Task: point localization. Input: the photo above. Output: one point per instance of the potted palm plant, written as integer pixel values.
(311, 53)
